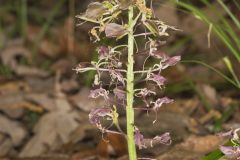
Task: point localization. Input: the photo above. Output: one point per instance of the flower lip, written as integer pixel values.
(160, 80)
(160, 101)
(163, 139)
(171, 61)
(96, 114)
(98, 93)
(231, 151)
(119, 93)
(103, 52)
(139, 139)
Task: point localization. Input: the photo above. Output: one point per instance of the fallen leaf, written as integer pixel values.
(112, 144)
(201, 144)
(53, 130)
(13, 129)
(194, 147)
(179, 154)
(30, 71)
(62, 65)
(13, 87)
(42, 99)
(83, 102)
(49, 49)
(9, 58)
(9, 104)
(69, 85)
(210, 93)
(5, 145)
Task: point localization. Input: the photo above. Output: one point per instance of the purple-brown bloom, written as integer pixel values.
(115, 75)
(163, 139)
(231, 151)
(229, 133)
(96, 115)
(139, 139)
(99, 93)
(170, 61)
(158, 54)
(143, 93)
(119, 93)
(160, 80)
(103, 52)
(160, 101)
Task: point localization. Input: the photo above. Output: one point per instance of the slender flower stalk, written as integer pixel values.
(130, 88)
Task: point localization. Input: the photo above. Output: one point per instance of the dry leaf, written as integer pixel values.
(5, 145)
(13, 129)
(9, 58)
(29, 71)
(7, 103)
(49, 49)
(13, 87)
(62, 65)
(53, 130)
(210, 93)
(202, 144)
(69, 85)
(83, 102)
(178, 153)
(116, 144)
(43, 100)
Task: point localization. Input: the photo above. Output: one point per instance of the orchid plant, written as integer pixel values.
(109, 22)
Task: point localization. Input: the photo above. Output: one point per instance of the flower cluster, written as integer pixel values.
(109, 24)
(231, 151)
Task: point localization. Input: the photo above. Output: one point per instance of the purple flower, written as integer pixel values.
(158, 54)
(160, 101)
(139, 139)
(144, 93)
(103, 52)
(160, 80)
(99, 92)
(119, 93)
(96, 114)
(163, 139)
(170, 61)
(115, 62)
(114, 30)
(231, 152)
(117, 75)
(229, 133)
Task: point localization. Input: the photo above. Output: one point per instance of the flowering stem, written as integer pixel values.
(130, 88)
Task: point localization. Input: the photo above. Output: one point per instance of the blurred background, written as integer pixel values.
(44, 104)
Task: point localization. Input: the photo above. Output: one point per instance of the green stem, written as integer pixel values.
(130, 89)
